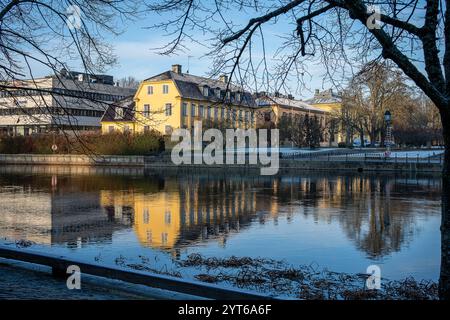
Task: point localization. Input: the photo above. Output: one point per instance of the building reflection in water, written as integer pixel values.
(168, 213)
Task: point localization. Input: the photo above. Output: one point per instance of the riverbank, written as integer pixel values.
(163, 162)
(19, 280)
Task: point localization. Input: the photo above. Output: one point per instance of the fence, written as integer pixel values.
(373, 156)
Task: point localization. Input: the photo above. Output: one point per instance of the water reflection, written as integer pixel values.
(378, 214)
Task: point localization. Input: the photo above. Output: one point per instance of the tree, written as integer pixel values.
(129, 82)
(53, 35)
(298, 131)
(416, 121)
(376, 88)
(414, 34)
(285, 126)
(351, 116)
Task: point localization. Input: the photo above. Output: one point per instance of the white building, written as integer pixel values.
(73, 101)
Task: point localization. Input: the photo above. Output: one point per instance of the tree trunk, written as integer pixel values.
(361, 137)
(444, 280)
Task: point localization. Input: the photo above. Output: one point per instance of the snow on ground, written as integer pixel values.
(413, 154)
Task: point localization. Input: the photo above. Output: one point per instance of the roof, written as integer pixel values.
(128, 106)
(289, 103)
(191, 87)
(323, 97)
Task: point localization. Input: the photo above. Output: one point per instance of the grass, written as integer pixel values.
(303, 282)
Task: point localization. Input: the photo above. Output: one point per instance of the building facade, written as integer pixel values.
(331, 102)
(71, 101)
(174, 99)
(326, 100)
(275, 107)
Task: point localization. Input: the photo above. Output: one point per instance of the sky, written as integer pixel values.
(137, 57)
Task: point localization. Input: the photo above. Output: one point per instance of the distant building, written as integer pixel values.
(276, 106)
(120, 116)
(174, 99)
(279, 105)
(326, 100)
(72, 101)
(329, 101)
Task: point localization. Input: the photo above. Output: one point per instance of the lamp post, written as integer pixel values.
(388, 139)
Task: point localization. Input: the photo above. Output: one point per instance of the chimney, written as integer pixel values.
(176, 68)
(277, 94)
(223, 78)
(290, 97)
(317, 92)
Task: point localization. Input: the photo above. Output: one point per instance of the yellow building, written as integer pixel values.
(179, 213)
(274, 107)
(120, 116)
(277, 106)
(330, 102)
(174, 99)
(326, 100)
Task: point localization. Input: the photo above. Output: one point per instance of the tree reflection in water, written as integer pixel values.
(380, 214)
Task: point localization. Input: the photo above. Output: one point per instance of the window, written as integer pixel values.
(222, 113)
(216, 113)
(208, 113)
(150, 90)
(192, 110)
(164, 237)
(111, 129)
(165, 89)
(238, 96)
(240, 115)
(200, 111)
(146, 216)
(168, 109)
(184, 111)
(167, 217)
(218, 93)
(119, 113)
(246, 116)
(205, 91)
(146, 110)
(149, 236)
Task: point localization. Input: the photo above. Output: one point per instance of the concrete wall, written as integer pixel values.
(78, 160)
(159, 162)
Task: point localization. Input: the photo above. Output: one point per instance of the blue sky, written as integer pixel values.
(137, 57)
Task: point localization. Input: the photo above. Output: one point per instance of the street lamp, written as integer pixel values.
(387, 116)
(388, 139)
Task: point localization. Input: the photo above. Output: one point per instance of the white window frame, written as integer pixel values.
(146, 113)
(168, 109)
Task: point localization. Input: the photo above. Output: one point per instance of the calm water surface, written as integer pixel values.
(339, 222)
